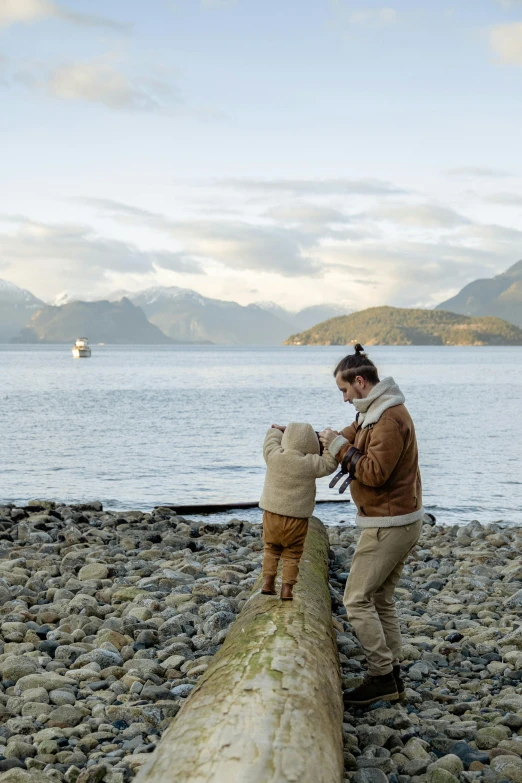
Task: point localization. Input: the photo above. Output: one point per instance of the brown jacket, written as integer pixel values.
(387, 487)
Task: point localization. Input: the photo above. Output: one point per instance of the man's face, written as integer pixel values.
(350, 391)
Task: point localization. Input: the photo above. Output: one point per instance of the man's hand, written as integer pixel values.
(278, 427)
(327, 437)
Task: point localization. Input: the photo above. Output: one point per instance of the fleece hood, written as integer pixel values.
(385, 394)
(300, 437)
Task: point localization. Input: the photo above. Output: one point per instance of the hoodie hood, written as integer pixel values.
(300, 437)
(385, 394)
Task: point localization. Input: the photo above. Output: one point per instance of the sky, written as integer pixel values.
(344, 151)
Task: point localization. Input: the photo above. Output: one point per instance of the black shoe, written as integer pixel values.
(401, 688)
(373, 689)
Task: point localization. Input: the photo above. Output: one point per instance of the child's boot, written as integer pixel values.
(286, 592)
(268, 587)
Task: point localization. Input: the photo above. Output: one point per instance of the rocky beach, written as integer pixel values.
(108, 619)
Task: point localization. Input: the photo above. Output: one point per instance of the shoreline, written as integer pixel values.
(108, 619)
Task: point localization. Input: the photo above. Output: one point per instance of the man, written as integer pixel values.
(378, 452)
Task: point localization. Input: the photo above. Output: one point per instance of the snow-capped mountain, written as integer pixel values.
(184, 314)
(17, 305)
(9, 292)
(64, 297)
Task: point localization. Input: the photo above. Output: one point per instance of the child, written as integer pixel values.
(293, 463)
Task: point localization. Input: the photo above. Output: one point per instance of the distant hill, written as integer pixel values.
(16, 307)
(108, 322)
(185, 315)
(500, 296)
(401, 326)
(308, 316)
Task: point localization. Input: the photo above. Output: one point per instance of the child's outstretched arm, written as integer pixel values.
(272, 442)
(322, 466)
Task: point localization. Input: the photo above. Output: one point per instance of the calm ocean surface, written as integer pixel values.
(137, 427)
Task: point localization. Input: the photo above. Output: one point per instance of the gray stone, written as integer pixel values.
(19, 750)
(440, 775)
(414, 767)
(93, 774)
(217, 622)
(18, 776)
(48, 680)
(369, 775)
(509, 767)
(489, 737)
(450, 763)
(16, 666)
(60, 697)
(414, 749)
(103, 658)
(65, 716)
(181, 691)
(93, 571)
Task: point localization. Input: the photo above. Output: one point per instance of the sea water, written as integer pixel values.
(137, 427)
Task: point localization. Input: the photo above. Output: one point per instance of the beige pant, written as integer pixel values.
(283, 537)
(376, 569)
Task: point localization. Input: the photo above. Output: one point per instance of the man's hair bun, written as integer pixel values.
(357, 363)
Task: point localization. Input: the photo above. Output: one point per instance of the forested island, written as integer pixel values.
(404, 326)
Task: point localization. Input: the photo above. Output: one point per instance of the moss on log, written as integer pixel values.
(269, 707)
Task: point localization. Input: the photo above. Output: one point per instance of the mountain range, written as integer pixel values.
(16, 307)
(178, 315)
(187, 316)
(500, 296)
(181, 315)
(118, 323)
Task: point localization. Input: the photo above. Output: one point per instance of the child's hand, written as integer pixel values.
(278, 427)
(327, 436)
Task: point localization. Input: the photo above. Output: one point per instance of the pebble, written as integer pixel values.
(108, 619)
(459, 602)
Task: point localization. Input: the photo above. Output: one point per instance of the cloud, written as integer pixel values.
(509, 3)
(421, 216)
(380, 256)
(241, 245)
(411, 272)
(506, 42)
(108, 205)
(477, 172)
(407, 273)
(379, 16)
(323, 187)
(99, 82)
(75, 255)
(507, 199)
(311, 217)
(235, 244)
(28, 11)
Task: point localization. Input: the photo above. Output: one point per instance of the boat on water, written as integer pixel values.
(81, 349)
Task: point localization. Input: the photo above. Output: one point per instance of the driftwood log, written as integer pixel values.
(269, 707)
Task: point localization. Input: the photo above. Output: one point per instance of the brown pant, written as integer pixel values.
(283, 537)
(376, 568)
